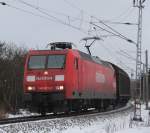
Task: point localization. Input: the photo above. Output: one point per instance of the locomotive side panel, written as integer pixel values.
(72, 75)
(86, 79)
(96, 80)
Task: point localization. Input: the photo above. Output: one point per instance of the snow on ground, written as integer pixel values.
(136, 130)
(115, 123)
(21, 113)
(122, 124)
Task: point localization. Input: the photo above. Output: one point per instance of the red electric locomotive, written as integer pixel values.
(68, 80)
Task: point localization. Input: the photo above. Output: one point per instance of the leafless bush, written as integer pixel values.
(11, 74)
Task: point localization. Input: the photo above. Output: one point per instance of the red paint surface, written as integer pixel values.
(78, 80)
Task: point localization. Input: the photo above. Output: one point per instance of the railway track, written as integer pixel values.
(51, 116)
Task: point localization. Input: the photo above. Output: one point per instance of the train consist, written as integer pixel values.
(70, 80)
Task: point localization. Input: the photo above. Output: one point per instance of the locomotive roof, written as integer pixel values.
(83, 55)
(47, 51)
(95, 59)
(119, 70)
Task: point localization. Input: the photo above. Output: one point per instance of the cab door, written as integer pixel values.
(76, 68)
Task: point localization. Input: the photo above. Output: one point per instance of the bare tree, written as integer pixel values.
(12, 60)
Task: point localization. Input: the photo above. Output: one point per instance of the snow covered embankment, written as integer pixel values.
(90, 124)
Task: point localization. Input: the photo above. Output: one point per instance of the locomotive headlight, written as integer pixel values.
(31, 78)
(60, 87)
(45, 72)
(30, 88)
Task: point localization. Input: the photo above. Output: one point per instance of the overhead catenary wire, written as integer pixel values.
(50, 17)
(62, 22)
(2, 3)
(54, 19)
(125, 54)
(128, 55)
(68, 24)
(77, 8)
(85, 12)
(39, 9)
(46, 11)
(122, 54)
(120, 23)
(115, 33)
(52, 11)
(43, 12)
(112, 29)
(105, 21)
(69, 18)
(123, 14)
(102, 22)
(25, 11)
(113, 54)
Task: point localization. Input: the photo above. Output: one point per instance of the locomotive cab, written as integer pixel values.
(45, 74)
(45, 70)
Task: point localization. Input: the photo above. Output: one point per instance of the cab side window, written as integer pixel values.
(76, 63)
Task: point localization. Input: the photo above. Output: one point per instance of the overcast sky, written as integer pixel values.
(35, 23)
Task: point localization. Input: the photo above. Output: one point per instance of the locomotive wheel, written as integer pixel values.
(42, 110)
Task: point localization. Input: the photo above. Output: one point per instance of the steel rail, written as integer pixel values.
(52, 116)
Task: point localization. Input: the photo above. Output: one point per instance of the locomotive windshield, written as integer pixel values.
(37, 62)
(56, 61)
(46, 61)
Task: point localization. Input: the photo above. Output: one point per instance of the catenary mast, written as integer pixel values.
(137, 96)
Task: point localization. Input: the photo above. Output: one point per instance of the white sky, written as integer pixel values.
(35, 32)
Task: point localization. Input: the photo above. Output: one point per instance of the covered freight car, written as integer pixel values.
(123, 84)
